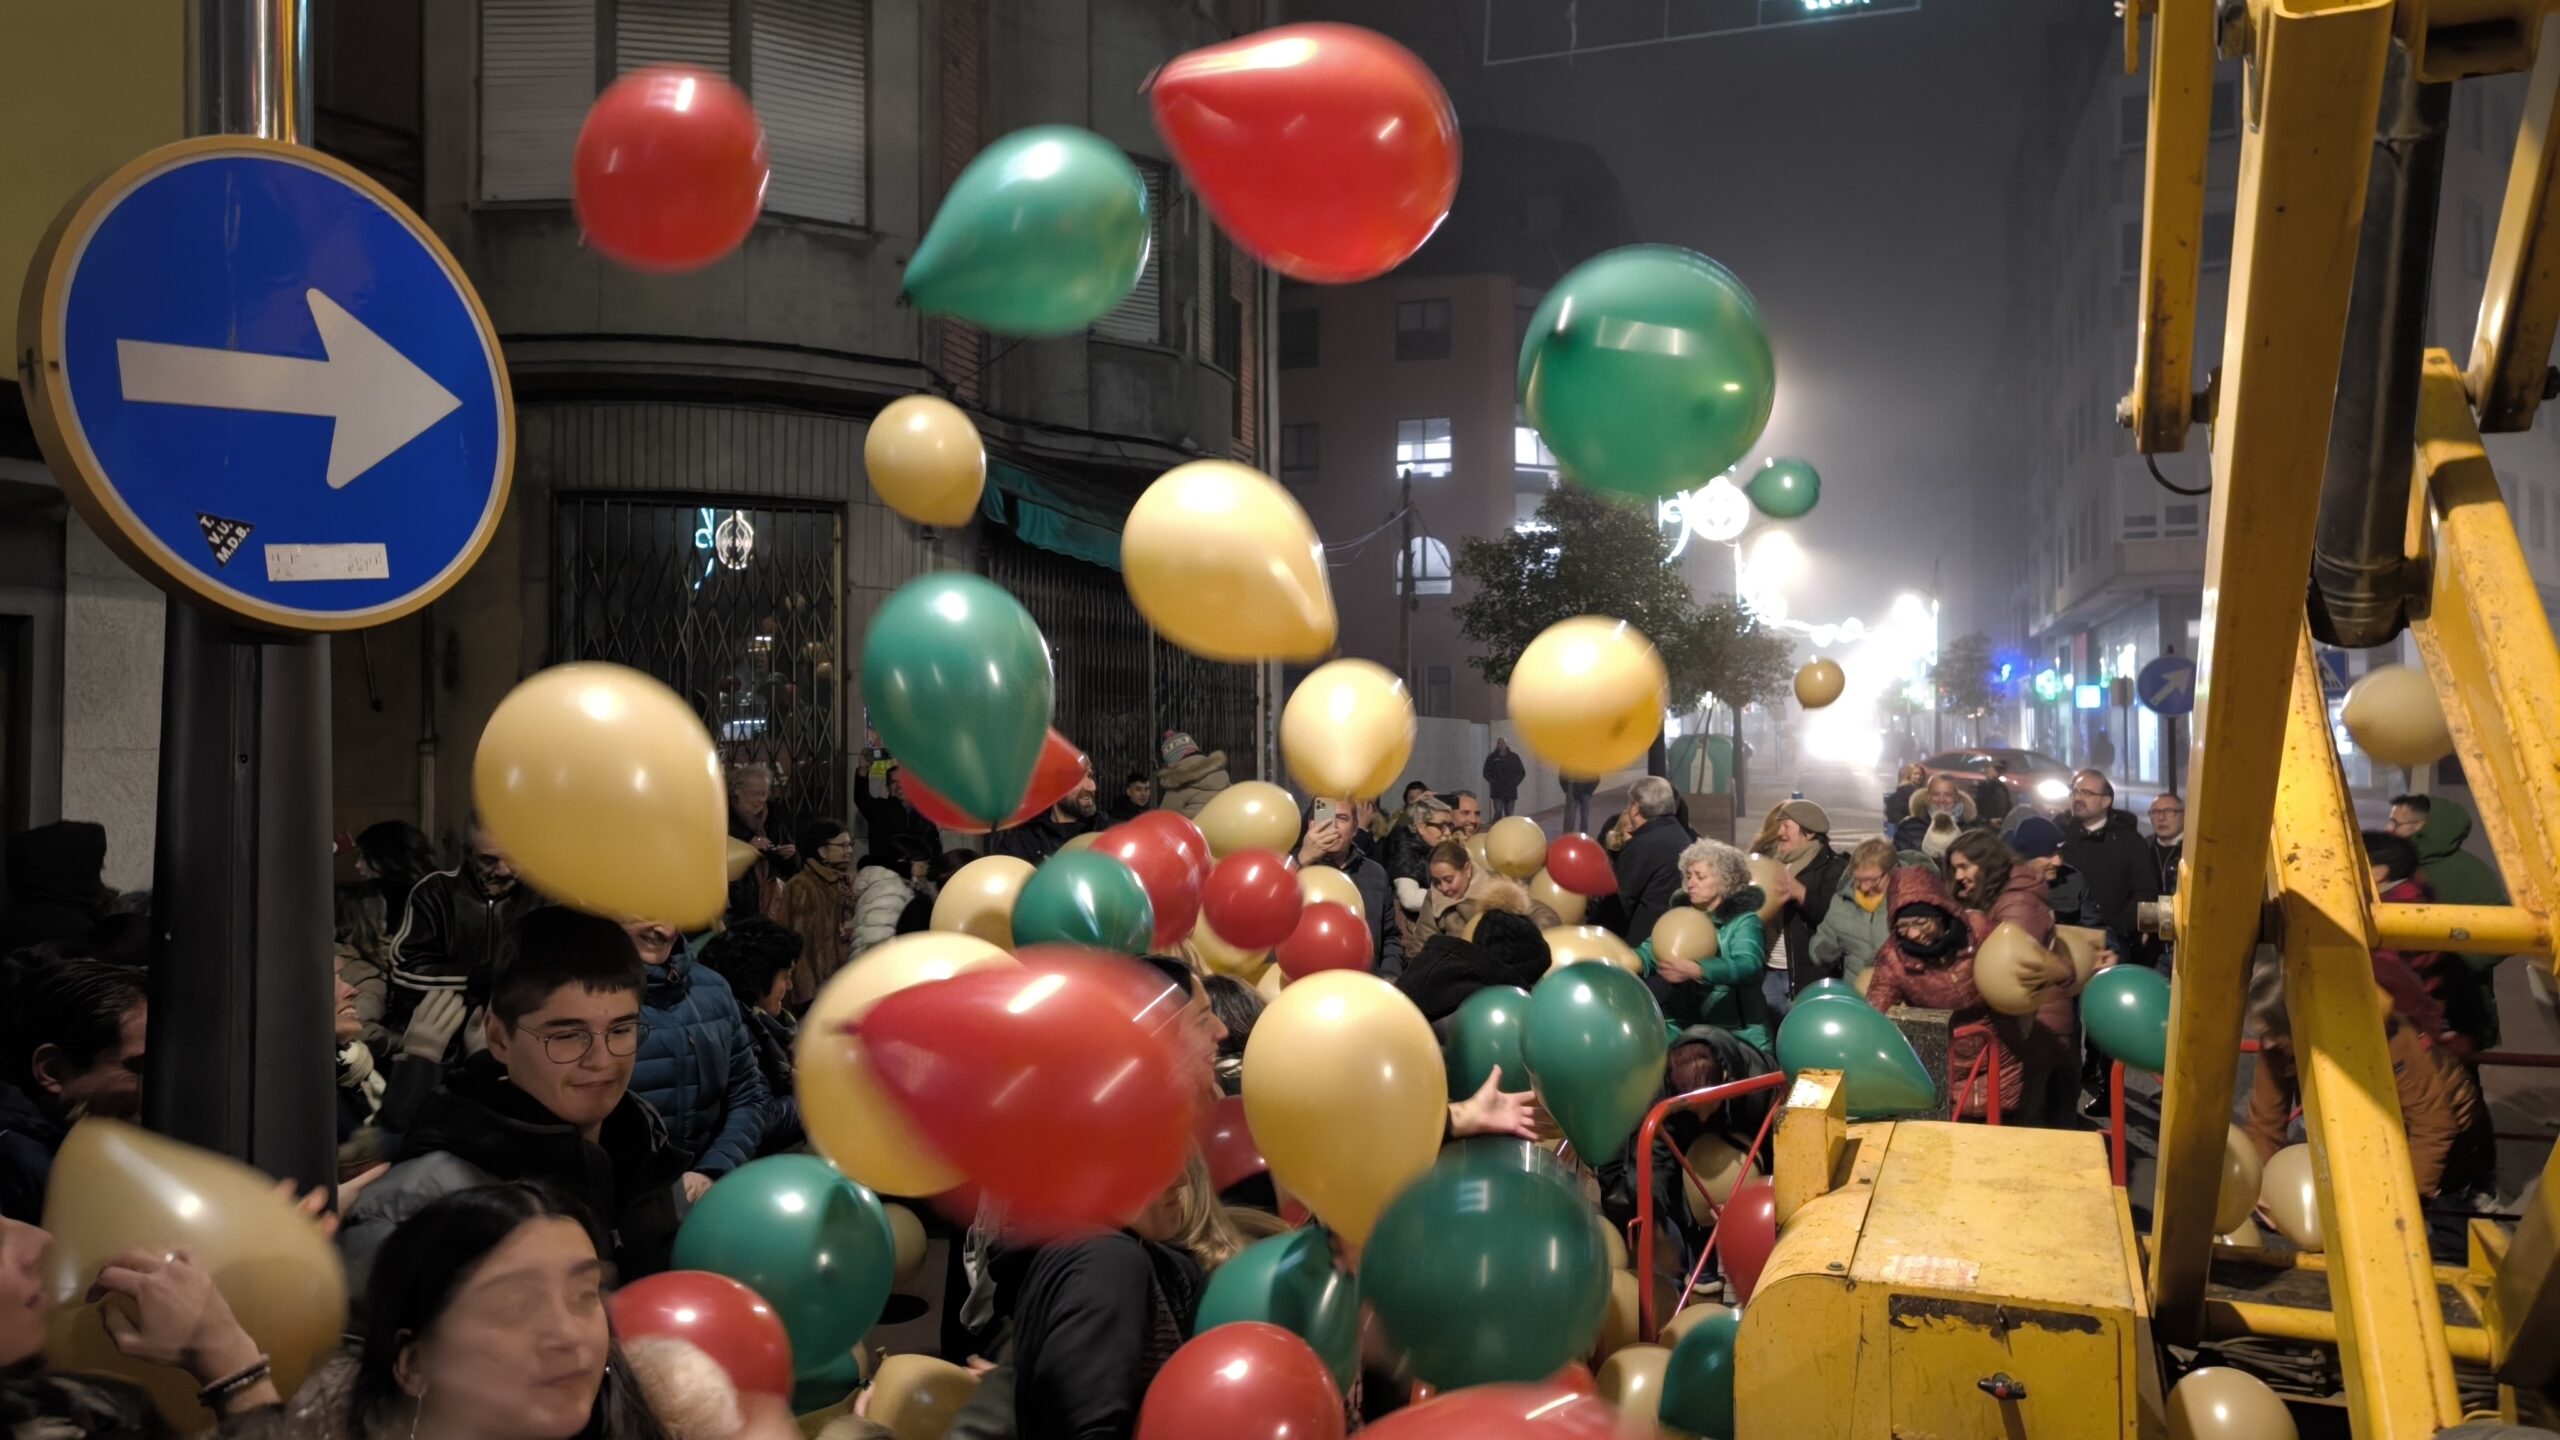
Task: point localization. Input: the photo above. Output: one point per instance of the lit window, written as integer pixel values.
(1529, 449)
(1427, 562)
(1422, 447)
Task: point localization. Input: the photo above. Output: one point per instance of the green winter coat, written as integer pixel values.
(1727, 992)
(2461, 878)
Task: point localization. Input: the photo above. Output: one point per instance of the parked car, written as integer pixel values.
(2036, 780)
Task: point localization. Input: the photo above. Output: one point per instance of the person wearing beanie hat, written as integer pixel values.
(1801, 843)
(1188, 777)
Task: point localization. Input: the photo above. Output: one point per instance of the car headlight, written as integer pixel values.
(2052, 791)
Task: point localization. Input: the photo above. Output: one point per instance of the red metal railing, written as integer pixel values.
(1645, 1133)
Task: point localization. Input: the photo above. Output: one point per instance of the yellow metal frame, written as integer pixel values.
(2173, 179)
(2520, 306)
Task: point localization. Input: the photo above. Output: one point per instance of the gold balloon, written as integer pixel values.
(978, 899)
(1614, 1242)
(1684, 933)
(1249, 815)
(1324, 883)
(1718, 1163)
(2014, 973)
(1543, 890)
(1631, 1379)
(2216, 1403)
(1588, 695)
(1478, 854)
(926, 460)
(1516, 846)
(1819, 683)
(1622, 1321)
(1346, 1094)
(603, 790)
(1225, 564)
(908, 1232)
(848, 1118)
(1220, 957)
(1074, 843)
(1269, 985)
(2286, 1192)
(2237, 1200)
(2394, 715)
(2080, 944)
(1688, 1320)
(1347, 729)
(118, 1187)
(2245, 1233)
(742, 857)
(1569, 943)
(1767, 873)
(915, 1396)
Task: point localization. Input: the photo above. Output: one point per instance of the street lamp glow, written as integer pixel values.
(1718, 510)
(1776, 559)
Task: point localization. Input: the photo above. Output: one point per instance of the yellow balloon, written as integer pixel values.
(908, 1232)
(1619, 1323)
(1688, 1320)
(1269, 985)
(1325, 883)
(2237, 1199)
(118, 1187)
(1516, 846)
(1544, 890)
(603, 790)
(1347, 1095)
(1631, 1379)
(848, 1118)
(1569, 943)
(978, 899)
(1073, 843)
(2080, 944)
(1767, 873)
(742, 857)
(1477, 853)
(2285, 1190)
(1819, 683)
(926, 460)
(2245, 1233)
(915, 1396)
(2216, 1403)
(1249, 815)
(1719, 1163)
(2394, 715)
(1347, 729)
(1684, 933)
(1588, 695)
(1615, 1242)
(2014, 973)
(1218, 956)
(1226, 565)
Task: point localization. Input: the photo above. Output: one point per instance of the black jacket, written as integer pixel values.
(2165, 860)
(1737, 1120)
(1093, 1321)
(888, 819)
(1992, 800)
(1649, 873)
(28, 1138)
(1039, 838)
(1797, 922)
(1503, 772)
(1408, 856)
(774, 1037)
(746, 893)
(2115, 861)
(451, 942)
(55, 893)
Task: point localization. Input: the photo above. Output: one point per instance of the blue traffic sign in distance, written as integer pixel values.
(2167, 686)
(268, 386)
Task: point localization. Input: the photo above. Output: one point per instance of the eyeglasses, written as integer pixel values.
(2089, 794)
(568, 1047)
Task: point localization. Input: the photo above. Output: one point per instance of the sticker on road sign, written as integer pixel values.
(268, 386)
(2167, 686)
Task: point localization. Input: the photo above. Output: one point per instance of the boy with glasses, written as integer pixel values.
(548, 1101)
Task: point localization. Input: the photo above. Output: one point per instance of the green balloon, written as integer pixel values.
(814, 1244)
(2126, 1008)
(1043, 234)
(1647, 370)
(1485, 1035)
(1082, 897)
(1291, 1281)
(1883, 1073)
(1828, 987)
(1595, 1042)
(1697, 1381)
(958, 682)
(1784, 489)
(1487, 1154)
(1487, 1274)
(834, 1379)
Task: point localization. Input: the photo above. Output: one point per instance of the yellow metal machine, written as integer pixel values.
(1939, 1281)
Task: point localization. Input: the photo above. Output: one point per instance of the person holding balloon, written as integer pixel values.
(1722, 988)
(1929, 963)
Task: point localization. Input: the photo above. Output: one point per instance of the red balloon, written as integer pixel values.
(1746, 1231)
(1548, 1410)
(1328, 937)
(670, 170)
(1182, 835)
(1055, 1086)
(1252, 899)
(1329, 151)
(1242, 1381)
(1061, 768)
(1578, 863)
(1163, 871)
(1227, 1144)
(1576, 1377)
(716, 1315)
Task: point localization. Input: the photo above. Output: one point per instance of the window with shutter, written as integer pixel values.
(1141, 317)
(810, 70)
(693, 34)
(1204, 306)
(537, 77)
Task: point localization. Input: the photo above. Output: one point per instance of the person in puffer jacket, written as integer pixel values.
(1725, 989)
(881, 893)
(1987, 877)
(1929, 965)
(697, 1065)
(1189, 778)
(1855, 928)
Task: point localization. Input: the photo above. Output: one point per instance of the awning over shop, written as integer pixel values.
(1071, 518)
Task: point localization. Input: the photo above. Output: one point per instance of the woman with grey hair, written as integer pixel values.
(1722, 989)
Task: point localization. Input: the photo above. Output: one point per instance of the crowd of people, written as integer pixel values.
(531, 1098)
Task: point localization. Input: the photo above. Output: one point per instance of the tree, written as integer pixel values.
(1963, 675)
(1725, 652)
(1584, 556)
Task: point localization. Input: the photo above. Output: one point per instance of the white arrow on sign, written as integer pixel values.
(379, 399)
(2174, 682)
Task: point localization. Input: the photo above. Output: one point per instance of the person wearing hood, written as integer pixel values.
(1042, 836)
(56, 895)
(1503, 772)
(2418, 984)
(2105, 845)
(1725, 989)
(1648, 863)
(2439, 826)
(1855, 927)
(1928, 964)
(1188, 777)
(1699, 1056)
(816, 906)
(1938, 811)
(1809, 876)
(697, 1063)
(1324, 838)
(71, 1045)
(549, 1101)
(1984, 875)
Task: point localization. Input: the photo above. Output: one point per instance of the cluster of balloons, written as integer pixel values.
(816, 1253)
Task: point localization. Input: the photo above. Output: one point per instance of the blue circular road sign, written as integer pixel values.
(2167, 686)
(265, 382)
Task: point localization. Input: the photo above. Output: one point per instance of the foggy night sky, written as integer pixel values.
(1855, 175)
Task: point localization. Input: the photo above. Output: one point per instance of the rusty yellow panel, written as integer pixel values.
(2173, 176)
(2520, 304)
(1809, 1363)
(2458, 39)
(1945, 1218)
(1813, 1130)
(1979, 1368)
